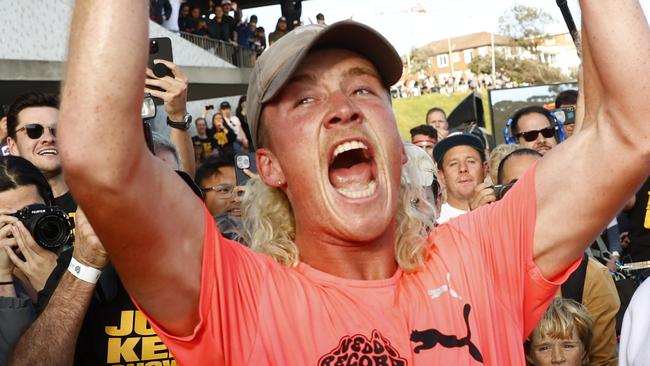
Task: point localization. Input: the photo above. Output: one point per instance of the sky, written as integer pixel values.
(414, 23)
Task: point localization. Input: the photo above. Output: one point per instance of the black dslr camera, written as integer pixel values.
(500, 190)
(50, 226)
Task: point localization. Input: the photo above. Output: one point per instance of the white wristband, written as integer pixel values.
(84, 272)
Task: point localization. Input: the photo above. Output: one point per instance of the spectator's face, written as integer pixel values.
(320, 21)
(462, 170)
(225, 112)
(221, 199)
(226, 8)
(218, 11)
(185, 11)
(425, 142)
(41, 151)
(333, 144)
(515, 167)
(217, 121)
(282, 26)
(438, 120)
(196, 13)
(536, 122)
(17, 198)
(547, 351)
(201, 127)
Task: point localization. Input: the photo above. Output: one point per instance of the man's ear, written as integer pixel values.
(441, 177)
(486, 170)
(269, 169)
(13, 148)
(405, 157)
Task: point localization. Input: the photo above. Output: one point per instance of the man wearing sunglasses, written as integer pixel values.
(534, 128)
(31, 129)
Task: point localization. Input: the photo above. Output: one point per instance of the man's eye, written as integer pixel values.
(362, 91)
(543, 348)
(306, 100)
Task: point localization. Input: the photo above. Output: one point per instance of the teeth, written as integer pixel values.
(347, 146)
(363, 193)
(48, 152)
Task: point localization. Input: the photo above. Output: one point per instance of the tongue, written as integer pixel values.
(354, 177)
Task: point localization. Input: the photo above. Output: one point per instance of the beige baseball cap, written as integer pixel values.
(276, 65)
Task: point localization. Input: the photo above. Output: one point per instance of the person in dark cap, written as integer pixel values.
(462, 169)
(341, 266)
(280, 30)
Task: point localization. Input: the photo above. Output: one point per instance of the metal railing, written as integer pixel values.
(238, 56)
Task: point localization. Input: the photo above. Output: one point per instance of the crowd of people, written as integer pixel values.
(340, 243)
(472, 174)
(447, 85)
(222, 20)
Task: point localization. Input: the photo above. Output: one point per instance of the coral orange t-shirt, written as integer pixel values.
(477, 298)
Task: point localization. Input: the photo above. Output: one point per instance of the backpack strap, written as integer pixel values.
(574, 286)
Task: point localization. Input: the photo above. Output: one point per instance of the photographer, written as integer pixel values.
(24, 265)
(462, 169)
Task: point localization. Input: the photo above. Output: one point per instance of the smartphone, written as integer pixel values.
(566, 115)
(244, 161)
(160, 49)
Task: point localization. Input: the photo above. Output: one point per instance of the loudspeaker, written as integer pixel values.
(469, 111)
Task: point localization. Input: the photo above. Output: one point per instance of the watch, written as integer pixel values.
(185, 125)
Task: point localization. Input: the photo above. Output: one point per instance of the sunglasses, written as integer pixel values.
(35, 131)
(529, 136)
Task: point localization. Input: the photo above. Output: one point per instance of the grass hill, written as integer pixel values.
(411, 112)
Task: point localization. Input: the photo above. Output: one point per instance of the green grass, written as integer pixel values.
(411, 112)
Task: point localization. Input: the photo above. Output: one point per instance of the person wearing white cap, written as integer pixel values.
(341, 268)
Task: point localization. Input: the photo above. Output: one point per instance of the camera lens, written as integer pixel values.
(52, 231)
(153, 47)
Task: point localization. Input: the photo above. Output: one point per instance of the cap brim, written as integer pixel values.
(354, 37)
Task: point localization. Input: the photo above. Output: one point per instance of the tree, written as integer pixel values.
(525, 25)
(517, 69)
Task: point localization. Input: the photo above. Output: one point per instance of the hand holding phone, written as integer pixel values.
(245, 165)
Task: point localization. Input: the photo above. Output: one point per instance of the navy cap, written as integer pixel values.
(457, 139)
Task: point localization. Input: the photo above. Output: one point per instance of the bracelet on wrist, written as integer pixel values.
(84, 272)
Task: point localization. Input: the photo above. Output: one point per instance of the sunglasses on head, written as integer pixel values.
(35, 130)
(529, 136)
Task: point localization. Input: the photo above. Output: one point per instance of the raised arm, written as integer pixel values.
(149, 221)
(585, 181)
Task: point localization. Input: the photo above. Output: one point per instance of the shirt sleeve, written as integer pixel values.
(504, 233)
(231, 277)
(16, 314)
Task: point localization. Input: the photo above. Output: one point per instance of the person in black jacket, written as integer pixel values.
(159, 10)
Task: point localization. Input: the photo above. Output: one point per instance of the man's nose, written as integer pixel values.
(48, 135)
(342, 110)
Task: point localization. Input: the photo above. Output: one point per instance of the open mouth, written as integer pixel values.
(48, 152)
(351, 170)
